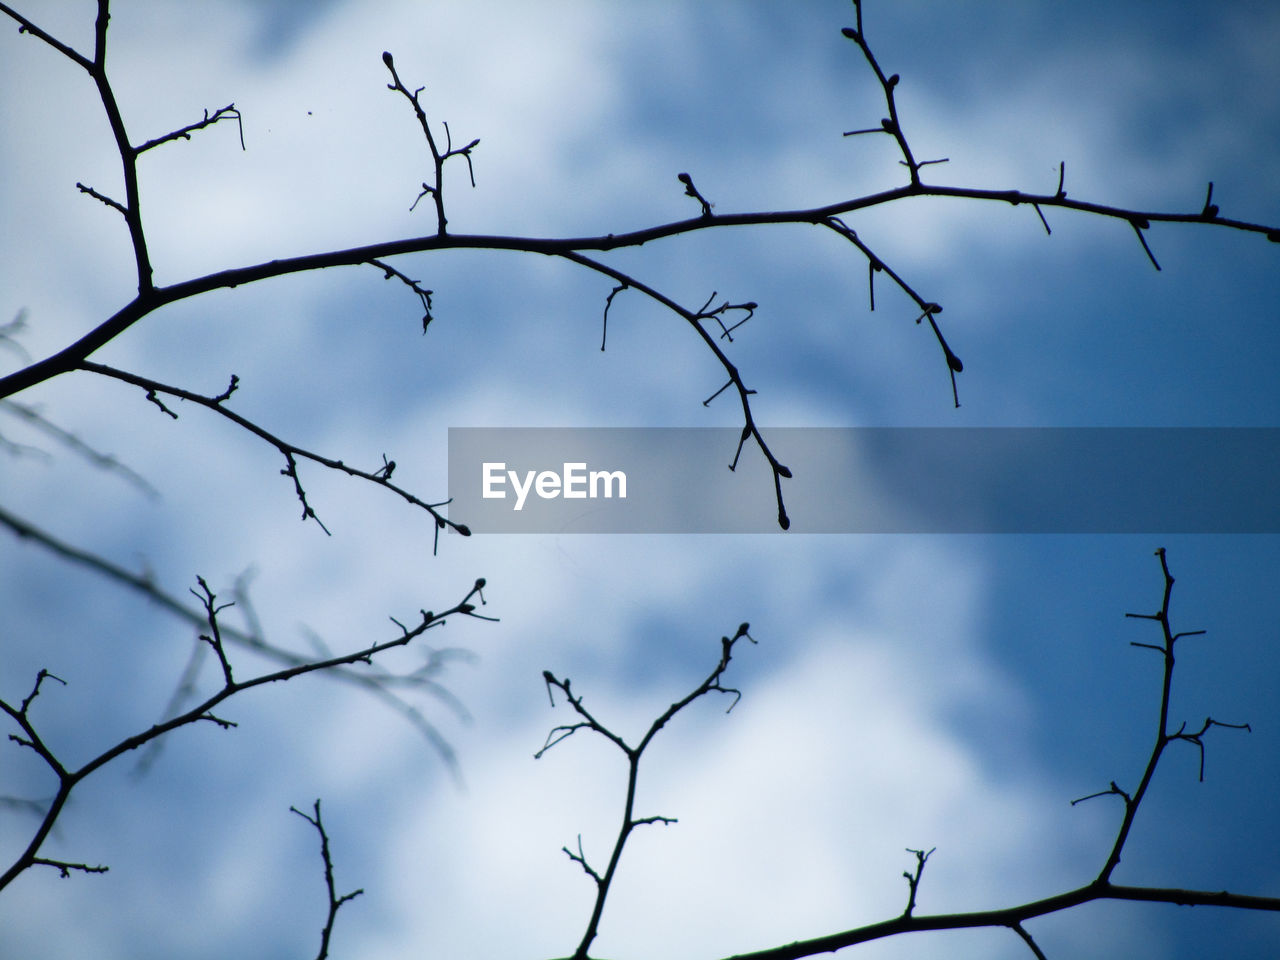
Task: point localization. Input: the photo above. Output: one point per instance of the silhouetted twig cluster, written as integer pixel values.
(834, 216)
(633, 754)
(712, 324)
(67, 778)
(1013, 918)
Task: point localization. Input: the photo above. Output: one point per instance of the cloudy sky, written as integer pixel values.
(916, 691)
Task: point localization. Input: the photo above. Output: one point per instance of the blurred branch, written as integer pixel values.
(28, 736)
(9, 335)
(104, 461)
(369, 678)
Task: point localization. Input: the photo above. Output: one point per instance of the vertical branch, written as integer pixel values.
(1163, 737)
(890, 124)
(913, 878)
(335, 901)
(435, 189)
(128, 155)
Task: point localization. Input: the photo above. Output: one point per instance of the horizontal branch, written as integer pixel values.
(1010, 917)
(154, 298)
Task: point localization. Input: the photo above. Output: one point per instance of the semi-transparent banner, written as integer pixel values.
(867, 480)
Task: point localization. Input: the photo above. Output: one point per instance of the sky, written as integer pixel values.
(905, 691)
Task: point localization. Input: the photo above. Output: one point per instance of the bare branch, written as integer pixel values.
(423, 294)
(633, 755)
(66, 869)
(103, 461)
(608, 302)
(102, 198)
(68, 779)
(928, 308)
(913, 878)
(890, 124)
(1163, 738)
(335, 901)
(26, 26)
(691, 191)
(184, 133)
(1021, 931)
(207, 598)
(1010, 917)
(289, 451)
(435, 189)
(1139, 226)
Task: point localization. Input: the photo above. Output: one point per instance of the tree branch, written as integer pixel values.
(26, 26)
(229, 112)
(68, 779)
(289, 451)
(335, 901)
(1101, 888)
(633, 754)
(435, 189)
(378, 684)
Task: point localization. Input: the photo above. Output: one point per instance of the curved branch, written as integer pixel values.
(156, 297)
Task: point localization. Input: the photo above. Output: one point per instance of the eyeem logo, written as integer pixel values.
(575, 482)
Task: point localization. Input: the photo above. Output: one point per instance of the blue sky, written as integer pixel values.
(908, 691)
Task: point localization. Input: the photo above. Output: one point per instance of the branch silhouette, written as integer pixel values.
(633, 754)
(711, 324)
(1013, 918)
(1101, 888)
(149, 298)
(68, 779)
(335, 901)
(291, 453)
(369, 678)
